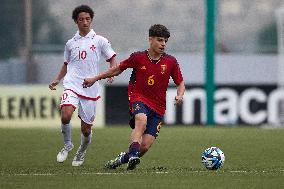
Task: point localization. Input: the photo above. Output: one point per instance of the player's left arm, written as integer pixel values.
(180, 93)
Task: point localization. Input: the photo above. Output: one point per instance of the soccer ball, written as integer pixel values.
(213, 158)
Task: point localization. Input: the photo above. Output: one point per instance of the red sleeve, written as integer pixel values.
(128, 63)
(176, 74)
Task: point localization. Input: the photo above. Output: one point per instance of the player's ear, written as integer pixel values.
(150, 39)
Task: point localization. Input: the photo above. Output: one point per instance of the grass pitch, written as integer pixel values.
(254, 159)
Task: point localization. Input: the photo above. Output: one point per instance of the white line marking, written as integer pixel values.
(68, 173)
(131, 173)
(32, 174)
(161, 172)
(238, 171)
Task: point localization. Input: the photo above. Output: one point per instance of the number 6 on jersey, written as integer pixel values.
(151, 81)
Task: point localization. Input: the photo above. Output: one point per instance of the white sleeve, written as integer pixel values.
(67, 54)
(107, 50)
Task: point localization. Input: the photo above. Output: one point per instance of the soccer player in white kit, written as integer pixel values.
(82, 55)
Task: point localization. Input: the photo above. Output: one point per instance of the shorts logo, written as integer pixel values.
(159, 126)
(64, 96)
(137, 107)
(163, 68)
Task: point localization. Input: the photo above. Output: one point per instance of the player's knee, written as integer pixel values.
(140, 120)
(66, 114)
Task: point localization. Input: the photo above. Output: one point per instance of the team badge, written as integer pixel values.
(163, 68)
(93, 47)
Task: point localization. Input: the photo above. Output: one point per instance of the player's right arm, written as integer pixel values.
(63, 70)
(60, 75)
(114, 71)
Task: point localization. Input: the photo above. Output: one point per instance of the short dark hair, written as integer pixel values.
(158, 30)
(82, 8)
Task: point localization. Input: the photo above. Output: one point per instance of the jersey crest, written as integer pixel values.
(93, 47)
(163, 68)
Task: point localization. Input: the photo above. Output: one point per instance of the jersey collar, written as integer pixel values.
(154, 61)
(89, 35)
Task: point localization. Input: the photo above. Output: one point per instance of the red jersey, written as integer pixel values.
(149, 80)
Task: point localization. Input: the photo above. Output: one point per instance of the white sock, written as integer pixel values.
(66, 132)
(85, 141)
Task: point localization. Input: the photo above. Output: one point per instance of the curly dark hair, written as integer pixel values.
(158, 30)
(82, 8)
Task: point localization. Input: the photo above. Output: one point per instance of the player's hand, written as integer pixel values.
(53, 84)
(88, 82)
(179, 100)
(110, 80)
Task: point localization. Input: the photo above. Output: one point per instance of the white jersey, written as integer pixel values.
(82, 56)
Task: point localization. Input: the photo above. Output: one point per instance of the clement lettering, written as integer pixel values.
(27, 107)
(42, 111)
(11, 107)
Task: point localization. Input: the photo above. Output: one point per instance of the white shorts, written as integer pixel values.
(87, 108)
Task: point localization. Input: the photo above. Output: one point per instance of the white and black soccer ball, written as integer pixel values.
(213, 158)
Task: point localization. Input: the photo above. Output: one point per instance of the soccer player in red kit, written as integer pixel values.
(147, 89)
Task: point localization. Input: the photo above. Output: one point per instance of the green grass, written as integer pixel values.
(254, 159)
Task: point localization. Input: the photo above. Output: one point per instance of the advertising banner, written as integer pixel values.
(234, 104)
(36, 106)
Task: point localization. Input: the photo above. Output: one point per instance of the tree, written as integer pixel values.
(46, 30)
(267, 39)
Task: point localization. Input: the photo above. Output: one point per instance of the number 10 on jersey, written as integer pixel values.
(82, 55)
